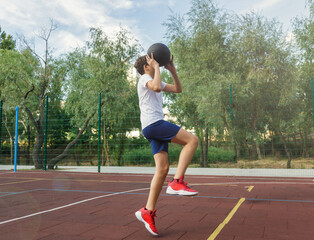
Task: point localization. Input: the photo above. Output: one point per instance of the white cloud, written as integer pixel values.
(73, 17)
(171, 3)
(265, 4)
(260, 5)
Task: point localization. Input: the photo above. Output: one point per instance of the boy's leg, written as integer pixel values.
(189, 143)
(162, 168)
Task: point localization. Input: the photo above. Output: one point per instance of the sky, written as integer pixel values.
(144, 19)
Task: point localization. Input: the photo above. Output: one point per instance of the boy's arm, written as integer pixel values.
(155, 84)
(176, 87)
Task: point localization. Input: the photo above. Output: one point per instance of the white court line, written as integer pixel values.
(258, 178)
(6, 173)
(69, 205)
(239, 183)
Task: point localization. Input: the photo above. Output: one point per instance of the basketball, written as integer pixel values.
(161, 53)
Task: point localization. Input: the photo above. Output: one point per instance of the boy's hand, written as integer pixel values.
(170, 66)
(151, 61)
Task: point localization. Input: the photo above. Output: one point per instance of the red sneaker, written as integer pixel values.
(148, 218)
(180, 188)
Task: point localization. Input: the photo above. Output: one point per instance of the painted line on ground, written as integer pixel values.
(194, 184)
(251, 183)
(6, 173)
(227, 219)
(15, 193)
(33, 180)
(70, 205)
(167, 195)
(250, 188)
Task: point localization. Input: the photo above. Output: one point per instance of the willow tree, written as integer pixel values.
(102, 66)
(198, 41)
(266, 84)
(304, 36)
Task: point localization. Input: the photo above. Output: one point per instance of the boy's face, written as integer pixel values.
(149, 70)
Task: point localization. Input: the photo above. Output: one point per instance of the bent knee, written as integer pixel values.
(194, 141)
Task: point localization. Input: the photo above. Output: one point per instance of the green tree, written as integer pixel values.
(304, 36)
(198, 41)
(27, 79)
(101, 67)
(265, 84)
(6, 41)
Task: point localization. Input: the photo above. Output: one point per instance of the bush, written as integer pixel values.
(219, 155)
(143, 155)
(138, 156)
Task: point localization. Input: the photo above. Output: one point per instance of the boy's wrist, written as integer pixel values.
(156, 65)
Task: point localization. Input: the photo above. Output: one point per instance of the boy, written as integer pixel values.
(159, 132)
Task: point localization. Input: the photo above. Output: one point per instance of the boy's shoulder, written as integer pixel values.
(144, 79)
(145, 76)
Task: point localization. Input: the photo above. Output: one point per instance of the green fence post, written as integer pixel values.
(1, 103)
(312, 87)
(231, 109)
(99, 132)
(45, 139)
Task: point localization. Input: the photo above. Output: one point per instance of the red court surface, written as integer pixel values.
(91, 206)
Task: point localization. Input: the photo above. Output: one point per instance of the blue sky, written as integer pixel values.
(143, 18)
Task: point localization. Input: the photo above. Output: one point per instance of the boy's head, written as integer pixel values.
(140, 63)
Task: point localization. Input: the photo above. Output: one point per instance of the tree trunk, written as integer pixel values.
(206, 148)
(76, 152)
(306, 139)
(202, 153)
(302, 144)
(231, 132)
(28, 148)
(38, 161)
(65, 152)
(105, 153)
(286, 148)
(258, 151)
(272, 144)
(11, 140)
(12, 150)
(121, 149)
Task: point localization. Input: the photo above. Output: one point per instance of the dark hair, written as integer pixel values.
(140, 63)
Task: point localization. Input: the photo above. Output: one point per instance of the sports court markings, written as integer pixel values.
(5, 173)
(15, 193)
(32, 180)
(108, 194)
(72, 204)
(227, 219)
(250, 188)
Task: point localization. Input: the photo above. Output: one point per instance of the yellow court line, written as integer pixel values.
(213, 184)
(250, 188)
(20, 182)
(227, 219)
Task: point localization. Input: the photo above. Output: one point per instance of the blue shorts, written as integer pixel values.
(159, 134)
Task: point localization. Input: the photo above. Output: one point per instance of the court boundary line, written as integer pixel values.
(167, 195)
(226, 220)
(191, 184)
(70, 205)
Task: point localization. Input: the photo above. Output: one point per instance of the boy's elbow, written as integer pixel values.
(157, 89)
(179, 90)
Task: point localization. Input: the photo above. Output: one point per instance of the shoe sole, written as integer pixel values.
(180, 192)
(138, 215)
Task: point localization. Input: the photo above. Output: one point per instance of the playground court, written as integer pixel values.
(93, 206)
